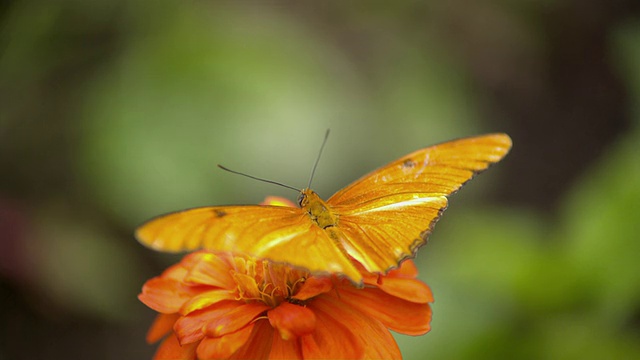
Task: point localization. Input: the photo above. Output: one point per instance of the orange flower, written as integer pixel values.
(223, 305)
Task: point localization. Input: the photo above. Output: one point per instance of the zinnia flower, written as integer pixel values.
(222, 305)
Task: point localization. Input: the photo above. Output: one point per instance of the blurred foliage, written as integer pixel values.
(512, 284)
(115, 111)
(170, 109)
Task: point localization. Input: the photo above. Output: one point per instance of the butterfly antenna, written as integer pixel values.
(313, 171)
(259, 179)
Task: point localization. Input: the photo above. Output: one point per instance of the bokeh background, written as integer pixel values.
(112, 112)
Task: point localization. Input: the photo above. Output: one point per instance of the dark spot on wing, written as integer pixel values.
(408, 164)
(220, 213)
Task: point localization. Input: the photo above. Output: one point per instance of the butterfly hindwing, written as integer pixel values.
(390, 230)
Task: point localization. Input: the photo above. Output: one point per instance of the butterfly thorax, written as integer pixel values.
(317, 209)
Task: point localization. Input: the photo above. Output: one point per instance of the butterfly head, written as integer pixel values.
(308, 198)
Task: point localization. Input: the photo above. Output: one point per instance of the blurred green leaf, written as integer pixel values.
(476, 263)
(601, 230)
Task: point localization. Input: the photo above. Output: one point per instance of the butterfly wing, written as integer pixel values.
(386, 215)
(281, 234)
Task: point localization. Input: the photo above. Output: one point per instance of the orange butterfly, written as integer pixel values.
(379, 220)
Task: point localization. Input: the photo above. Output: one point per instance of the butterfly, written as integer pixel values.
(379, 220)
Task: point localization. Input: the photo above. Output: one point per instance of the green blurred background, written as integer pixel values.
(112, 112)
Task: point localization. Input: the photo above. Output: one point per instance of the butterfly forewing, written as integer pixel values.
(436, 170)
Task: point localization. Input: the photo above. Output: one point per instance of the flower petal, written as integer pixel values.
(285, 349)
(292, 320)
(334, 337)
(222, 347)
(343, 331)
(309, 346)
(407, 269)
(397, 314)
(166, 295)
(206, 299)
(277, 201)
(259, 344)
(161, 326)
(189, 328)
(177, 271)
(211, 269)
(247, 286)
(170, 349)
(234, 319)
(314, 286)
(408, 289)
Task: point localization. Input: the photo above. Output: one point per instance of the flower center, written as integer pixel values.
(267, 282)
